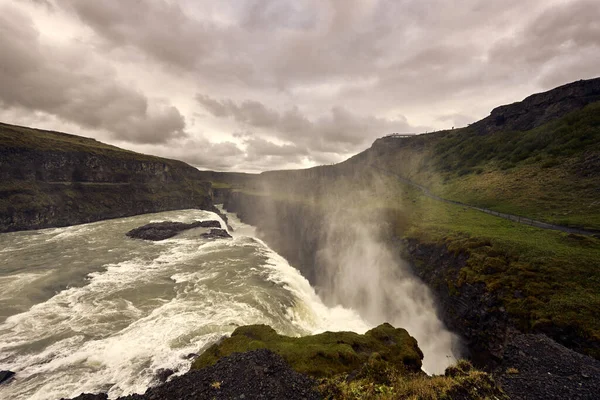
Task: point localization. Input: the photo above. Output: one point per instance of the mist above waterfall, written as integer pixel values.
(355, 263)
(358, 270)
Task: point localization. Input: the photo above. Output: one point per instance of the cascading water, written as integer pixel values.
(85, 309)
(356, 269)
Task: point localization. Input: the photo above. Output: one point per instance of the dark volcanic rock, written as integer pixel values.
(536, 367)
(470, 310)
(167, 229)
(89, 396)
(163, 374)
(540, 108)
(259, 374)
(216, 234)
(6, 376)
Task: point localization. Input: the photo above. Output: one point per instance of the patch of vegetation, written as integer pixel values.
(547, 280)
(460, 381)
(384, 363)
(325, 354)
(550, 173)
(573, 134)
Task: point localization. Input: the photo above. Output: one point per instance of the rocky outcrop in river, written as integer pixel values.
(167, 229)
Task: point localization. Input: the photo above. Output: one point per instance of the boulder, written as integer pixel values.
(6, 376)
(216, 234)
(89, 396)
(259, 374)
(164, 230)
(536, 367)
(163, 374)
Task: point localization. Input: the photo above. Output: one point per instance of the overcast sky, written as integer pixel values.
(252, 85)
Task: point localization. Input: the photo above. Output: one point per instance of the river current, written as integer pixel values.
(86, 309)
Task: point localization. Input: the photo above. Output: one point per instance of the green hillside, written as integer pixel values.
(550, 173)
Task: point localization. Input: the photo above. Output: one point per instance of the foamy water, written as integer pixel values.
(85, 309)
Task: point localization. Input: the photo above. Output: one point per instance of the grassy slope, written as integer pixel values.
(325, 354)
(550, 173)
(18, 137)
(544, 278)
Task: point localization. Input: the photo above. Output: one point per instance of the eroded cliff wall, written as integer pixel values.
(50, 179)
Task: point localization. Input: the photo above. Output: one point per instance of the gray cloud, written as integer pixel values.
(339, 130)
(564, 35)
(199, 152)
(304, 81)
(39, 77)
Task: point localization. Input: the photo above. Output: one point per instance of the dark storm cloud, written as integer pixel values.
(41, 78)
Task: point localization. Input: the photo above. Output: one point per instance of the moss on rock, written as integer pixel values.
(324, 354)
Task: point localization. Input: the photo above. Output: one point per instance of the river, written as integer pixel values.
(86, 309)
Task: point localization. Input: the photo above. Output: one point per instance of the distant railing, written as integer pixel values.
(399, 135)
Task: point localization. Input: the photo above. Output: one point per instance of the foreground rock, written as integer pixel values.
(259, 374)
(536, 367)
(325, 354)
(216, 234)
(167, 229)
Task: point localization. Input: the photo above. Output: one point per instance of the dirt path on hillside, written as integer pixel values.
(515, 218)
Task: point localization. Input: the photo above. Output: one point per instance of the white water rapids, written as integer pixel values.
(86, 309)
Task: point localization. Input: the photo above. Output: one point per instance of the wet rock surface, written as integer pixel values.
(216, 234)
(536, 367)
(89, 396)
(259, 374)
(6, 376)
(164, 230)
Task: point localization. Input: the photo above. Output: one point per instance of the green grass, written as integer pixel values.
(550, 173)
(547, 280)
(18, 138)
(325, 354)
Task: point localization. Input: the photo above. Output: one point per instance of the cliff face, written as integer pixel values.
(292, 229)
(50, 179)
(540, 108)
(468, 309)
